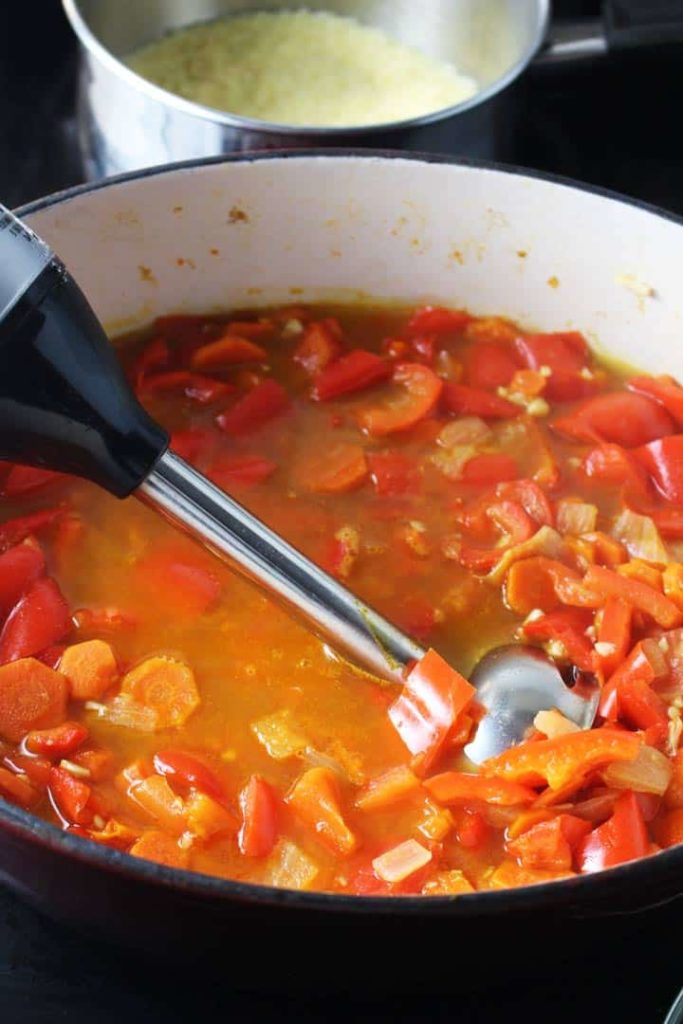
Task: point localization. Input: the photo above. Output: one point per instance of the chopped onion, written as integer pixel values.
(545, 541)
(450, 461)
(124, 711)
(467, 430)
(649, 772)
(656, 658)
(279, 735)
(290, 868)
(640, 537)
(401, 861)
(596, 808)
(576, 517)
(553, 723)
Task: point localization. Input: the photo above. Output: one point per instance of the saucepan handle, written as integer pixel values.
(625, 25)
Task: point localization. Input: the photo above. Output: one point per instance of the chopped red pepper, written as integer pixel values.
(267, 400)
(468, 401)
(320, 345)
(622, 838)
(619, 417)
(39, 619)
(437, 320)
(663, 460)
(355, 371)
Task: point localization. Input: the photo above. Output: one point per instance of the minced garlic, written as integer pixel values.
(301, 68)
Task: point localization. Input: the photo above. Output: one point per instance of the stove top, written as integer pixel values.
(612, 123)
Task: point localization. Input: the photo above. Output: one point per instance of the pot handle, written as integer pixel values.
(634, 23)
(625, 25)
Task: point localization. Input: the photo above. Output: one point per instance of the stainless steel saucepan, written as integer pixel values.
(128, 123)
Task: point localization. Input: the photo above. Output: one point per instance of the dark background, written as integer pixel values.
(614, 122)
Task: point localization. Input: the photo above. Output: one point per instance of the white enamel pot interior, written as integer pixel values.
(274, 228)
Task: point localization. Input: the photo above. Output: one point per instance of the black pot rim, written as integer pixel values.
(569, 894)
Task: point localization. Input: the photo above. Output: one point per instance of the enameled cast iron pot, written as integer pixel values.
(243, 231)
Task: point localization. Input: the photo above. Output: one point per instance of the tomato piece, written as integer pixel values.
(664, 390)
(20, 566)
(468, 401)
(58, 742)
(393, 473)
(568, 625)
(39, 619)
(663, 459)
(417, 392)
(193, 385)
(320, 345)
(437, 320)
(623, 837)
(355, 371)
(530, 496)
(566, 354)
(619, 417)
(175, 581)
(267, 400)
(489, 468)
(71, 797)
(240, 471)
(259, 827)
(490, 366)
(433, 698)
(187, 772)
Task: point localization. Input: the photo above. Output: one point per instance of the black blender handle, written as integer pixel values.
(65, 403)
(641, 23)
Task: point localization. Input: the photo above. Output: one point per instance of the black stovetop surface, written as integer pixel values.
(611, 123)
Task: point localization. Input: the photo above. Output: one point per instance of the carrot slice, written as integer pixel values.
(563, 759)
(207, 819)
(165, 686)
(433, 698)
(160, 848)
(32, 696)
(418, 391)
(90, 668)
(226, 351)
(460, 787)
(339, 469)
(259, 818)
(388, 788)
(315, 800)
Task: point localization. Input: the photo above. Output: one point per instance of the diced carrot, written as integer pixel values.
(161, 848)
(315, 800)
(605, 582)
(207, 819)
(32, 696)
(59, 742)
(433, 698)
(17, 790)
(510, 876)
(387, 789)
(563, 759)
(259, 818)
(71, 796)
(227, 351)
(460, 787)
(156, 798)
(90, 667)
(166, 686)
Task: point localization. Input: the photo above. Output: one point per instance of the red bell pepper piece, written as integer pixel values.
(489, 366)
(433, 698)
(619, 417)
(39, 619)
(512, 522)
(664, 390)
(194, 443)
(267, 400)
(240, 471)
(628, 695)
(663, 459)
(355, 371)
(393, 473)
(417, 392)
(320, 345)
(71, 797)
(437, 320)
(468, 401)
(59, 742)
(424, 348)
(226, 350)
(155, 356)
(568, 625)
(178, 582)
(549, 845)
(605, 582)
(530, 496)
(13, 531)
(20, 566)
(186, 772)
(25, 479)
(621, 838)
(615, 630)
(193, 385)
(259, 828)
